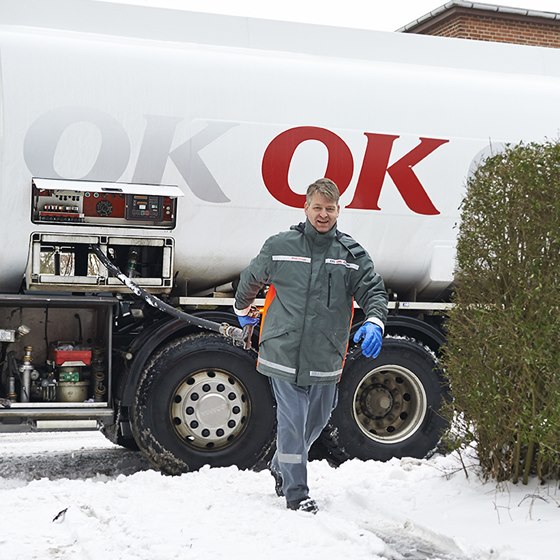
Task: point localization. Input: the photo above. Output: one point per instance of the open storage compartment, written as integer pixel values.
(57, 352)
(67, 263)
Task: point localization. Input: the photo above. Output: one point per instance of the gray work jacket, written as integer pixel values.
(314, 278)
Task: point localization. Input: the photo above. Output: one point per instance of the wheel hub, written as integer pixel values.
(209, 409)
(213, 411)
(377, 401)
(390, 404)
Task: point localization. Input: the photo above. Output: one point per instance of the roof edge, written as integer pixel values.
(479, 6)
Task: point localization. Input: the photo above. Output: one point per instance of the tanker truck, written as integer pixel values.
(170, 145)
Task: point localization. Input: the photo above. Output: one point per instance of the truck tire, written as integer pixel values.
(200, 401)
(388, 407)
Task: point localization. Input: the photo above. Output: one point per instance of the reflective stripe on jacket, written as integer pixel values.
(314, 280)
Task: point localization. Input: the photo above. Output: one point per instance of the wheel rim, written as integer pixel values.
(209, 409)
(389, 404)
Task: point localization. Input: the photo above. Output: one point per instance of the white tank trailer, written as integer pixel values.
(175, 143)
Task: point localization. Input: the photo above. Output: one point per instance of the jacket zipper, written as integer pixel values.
(329, 291)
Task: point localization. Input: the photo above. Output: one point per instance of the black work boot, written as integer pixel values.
(303, 504)
(277, 482)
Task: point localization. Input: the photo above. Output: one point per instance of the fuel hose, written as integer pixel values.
(238, 335)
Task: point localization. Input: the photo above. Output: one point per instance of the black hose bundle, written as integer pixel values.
(235, 333)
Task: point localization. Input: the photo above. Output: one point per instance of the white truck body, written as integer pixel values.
(230, 119)
(117, 93)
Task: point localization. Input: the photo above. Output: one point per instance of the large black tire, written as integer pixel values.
(200, 401)
(388, 407)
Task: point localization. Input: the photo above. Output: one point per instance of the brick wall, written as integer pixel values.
(480, 25)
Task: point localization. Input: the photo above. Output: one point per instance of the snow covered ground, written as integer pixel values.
(76, 496)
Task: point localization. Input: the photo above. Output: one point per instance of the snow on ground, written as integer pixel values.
(114, 506)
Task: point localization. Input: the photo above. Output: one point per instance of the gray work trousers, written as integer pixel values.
(301, 413)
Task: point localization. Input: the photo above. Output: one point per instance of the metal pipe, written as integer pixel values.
(25, 370)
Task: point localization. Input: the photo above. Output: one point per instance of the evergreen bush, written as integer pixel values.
(503, 353)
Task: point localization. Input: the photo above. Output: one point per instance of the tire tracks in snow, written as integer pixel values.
(401, 542)
(73, 464)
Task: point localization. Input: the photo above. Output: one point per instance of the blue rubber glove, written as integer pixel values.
(248, 320)
(373, 338)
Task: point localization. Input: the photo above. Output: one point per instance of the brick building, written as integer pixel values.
(489, 22)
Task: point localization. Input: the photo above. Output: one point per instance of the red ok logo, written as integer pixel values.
(340, 168)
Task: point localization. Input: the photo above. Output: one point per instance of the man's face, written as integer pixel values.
(321, 212)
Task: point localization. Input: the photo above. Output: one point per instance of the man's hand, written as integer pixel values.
(373, 338)
(248, 323)
(245, 320)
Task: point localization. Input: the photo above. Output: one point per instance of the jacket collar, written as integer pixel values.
(316, 237)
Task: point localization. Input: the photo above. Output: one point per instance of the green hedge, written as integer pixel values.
(503, 352)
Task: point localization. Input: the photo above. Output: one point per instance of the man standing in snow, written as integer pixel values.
(315, 272)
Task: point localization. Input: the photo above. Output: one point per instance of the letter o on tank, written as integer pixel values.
(44, 134)
(279, 153)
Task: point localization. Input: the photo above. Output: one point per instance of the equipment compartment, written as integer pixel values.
(63, 262)
(55, 352)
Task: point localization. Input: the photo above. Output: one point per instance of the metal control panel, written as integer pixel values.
(57, 201)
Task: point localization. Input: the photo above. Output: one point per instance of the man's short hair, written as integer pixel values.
(324, 186)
